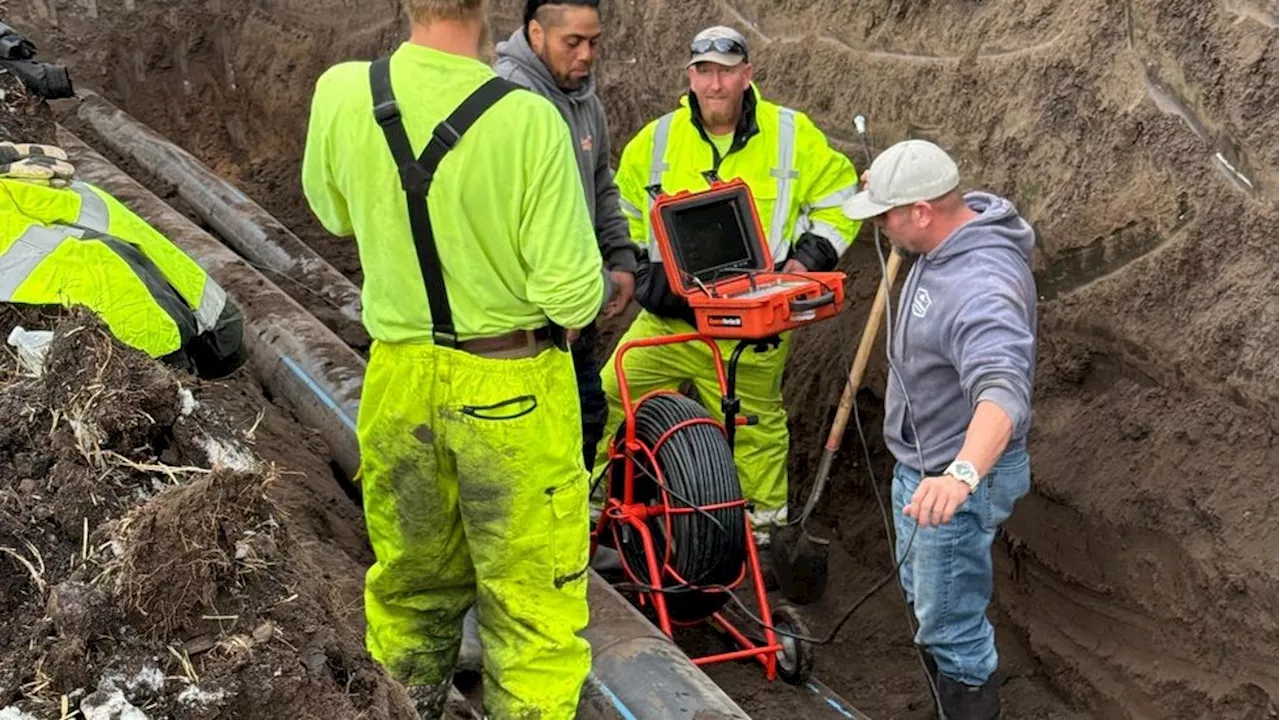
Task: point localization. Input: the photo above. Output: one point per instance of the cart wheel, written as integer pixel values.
(795, 660)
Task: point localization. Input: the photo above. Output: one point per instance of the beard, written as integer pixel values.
(563, 80)
(719, 113)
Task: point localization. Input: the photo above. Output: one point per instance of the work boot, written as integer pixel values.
(969, 702)
(429, 700)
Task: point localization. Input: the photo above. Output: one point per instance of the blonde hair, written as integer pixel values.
(426, 11)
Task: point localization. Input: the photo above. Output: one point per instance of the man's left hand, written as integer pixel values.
(936, 500)
(624, 289)
(794, 266)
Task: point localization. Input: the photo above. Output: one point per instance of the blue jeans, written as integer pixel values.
(947, 573)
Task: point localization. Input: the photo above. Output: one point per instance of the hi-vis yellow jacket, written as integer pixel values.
(80, 246)
(799, 183)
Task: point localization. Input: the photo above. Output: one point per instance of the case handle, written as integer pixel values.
(826, 298)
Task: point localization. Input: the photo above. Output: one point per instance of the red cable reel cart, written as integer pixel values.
(674, 511)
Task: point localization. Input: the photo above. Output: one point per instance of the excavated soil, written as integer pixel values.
(173, 546)
(1137, 580)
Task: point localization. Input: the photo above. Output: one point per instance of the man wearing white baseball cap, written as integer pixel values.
(724, 128)
(963, 350)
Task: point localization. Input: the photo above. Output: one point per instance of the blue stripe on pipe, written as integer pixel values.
(835, 704)
(618, 705)
(318, 391)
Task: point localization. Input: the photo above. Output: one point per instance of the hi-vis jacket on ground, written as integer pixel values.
(79, 246)
(799, 183)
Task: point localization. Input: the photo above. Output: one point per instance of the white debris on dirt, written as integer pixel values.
(13, 713)
(110, 704)
(193, 695)
(188, 402)
(227, 454)
(149, 678)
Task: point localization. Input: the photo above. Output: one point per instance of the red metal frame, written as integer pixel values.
(627, 511)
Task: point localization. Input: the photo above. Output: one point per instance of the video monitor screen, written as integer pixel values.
(709, 238)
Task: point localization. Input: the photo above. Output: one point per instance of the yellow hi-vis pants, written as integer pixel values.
(475, 491)
(760, 451)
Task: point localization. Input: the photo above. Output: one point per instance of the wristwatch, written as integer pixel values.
(965, 472)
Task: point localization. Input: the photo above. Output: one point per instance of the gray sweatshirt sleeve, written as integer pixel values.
(993, 345)
(612, 232)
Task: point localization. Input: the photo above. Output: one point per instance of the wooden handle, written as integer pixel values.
(860, 360)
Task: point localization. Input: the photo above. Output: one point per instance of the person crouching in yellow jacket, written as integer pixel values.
(463, 194)
(66, 242)
(723, 126)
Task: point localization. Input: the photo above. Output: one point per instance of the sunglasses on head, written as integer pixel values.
(722, 45)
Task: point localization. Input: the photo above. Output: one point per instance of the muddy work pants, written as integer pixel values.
(475, 491)
(760, 451)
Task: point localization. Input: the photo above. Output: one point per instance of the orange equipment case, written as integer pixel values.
(717, 258)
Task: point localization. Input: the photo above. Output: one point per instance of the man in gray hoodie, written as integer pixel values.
(958, 403)
(551, 54)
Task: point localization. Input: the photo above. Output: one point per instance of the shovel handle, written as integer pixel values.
(863, 356)
(860, 360)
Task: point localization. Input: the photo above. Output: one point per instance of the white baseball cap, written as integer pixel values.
(906, 173)
(719, 44)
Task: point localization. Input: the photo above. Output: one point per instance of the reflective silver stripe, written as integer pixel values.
(30, 249)
(212, 301)
(93, 209)
(785, 172)
(828, 232)
(628, 209)
(657, 166)
(837, 198)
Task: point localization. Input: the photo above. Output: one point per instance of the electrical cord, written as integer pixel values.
(860, 125)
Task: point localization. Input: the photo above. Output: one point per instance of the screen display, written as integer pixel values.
(709, 237)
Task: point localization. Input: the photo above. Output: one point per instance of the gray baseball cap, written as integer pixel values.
(718, 44)
(906, 173)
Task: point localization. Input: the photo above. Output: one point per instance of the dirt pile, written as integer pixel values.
(152, 561)
(1140, 139)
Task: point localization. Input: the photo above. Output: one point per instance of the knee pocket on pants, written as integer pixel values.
(570, 529)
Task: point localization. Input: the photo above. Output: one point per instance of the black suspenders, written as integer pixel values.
(416, 175)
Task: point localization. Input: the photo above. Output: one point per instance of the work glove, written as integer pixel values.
(43, 164)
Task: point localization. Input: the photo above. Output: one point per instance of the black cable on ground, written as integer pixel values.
(708, 547)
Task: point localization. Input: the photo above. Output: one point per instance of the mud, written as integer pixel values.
(1139, 137)
(156, 560)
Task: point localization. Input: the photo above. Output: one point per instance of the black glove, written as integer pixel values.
(815, 252)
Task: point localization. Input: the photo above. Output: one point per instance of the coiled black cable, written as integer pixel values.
(707, 547)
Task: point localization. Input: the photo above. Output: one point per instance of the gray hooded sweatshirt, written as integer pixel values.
(964, 331)
(584, 113)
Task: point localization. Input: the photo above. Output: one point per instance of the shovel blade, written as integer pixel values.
(800, 563)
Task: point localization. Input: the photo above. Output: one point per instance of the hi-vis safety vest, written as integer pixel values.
(799, 182)
(79, 246)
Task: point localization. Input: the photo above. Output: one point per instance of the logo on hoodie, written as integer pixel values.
(587, 144)
(920, 304)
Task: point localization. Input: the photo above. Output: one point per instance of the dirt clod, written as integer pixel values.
(171, 588)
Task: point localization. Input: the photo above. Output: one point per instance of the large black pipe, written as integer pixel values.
(249, 229)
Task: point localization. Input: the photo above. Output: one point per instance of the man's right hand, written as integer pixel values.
(571, 337)
(624, 289)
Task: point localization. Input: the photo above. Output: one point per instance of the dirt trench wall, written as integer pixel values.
(1138, 137)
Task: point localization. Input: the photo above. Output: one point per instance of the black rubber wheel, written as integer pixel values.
(697, 465)
(795, 660)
